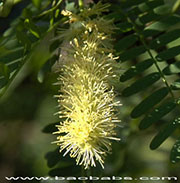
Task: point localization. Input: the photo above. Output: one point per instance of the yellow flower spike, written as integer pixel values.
(87, 101)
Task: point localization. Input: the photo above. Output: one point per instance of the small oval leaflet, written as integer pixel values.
(149, 102)
(137, 69)
(126, 42)
(175, 152)
(165, 133)
(141, 84)
(168, 54)
(172, 69)
(132, 53)
(165, 39)
(176, 85)
(157, 114)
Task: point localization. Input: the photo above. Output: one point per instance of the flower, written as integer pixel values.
(87, 101)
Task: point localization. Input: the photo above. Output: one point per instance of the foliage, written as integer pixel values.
(150, 31)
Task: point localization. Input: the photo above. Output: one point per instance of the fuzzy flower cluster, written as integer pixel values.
(86, 99)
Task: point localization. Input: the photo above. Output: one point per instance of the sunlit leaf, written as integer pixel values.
(176, 85)
(172, 69)
(165, 23)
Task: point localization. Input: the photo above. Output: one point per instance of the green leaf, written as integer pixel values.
(12, 55)
(40, 76)
(162, 10)
(124, 27)
(126, 42)
(46, 69)
(3, 82)
(12, 59)
(165, 23)
(168, 54)
(131, 53)
(10, 43)
(149, 102)
(6, 7)
(172, 69)
(141, 84)
(134, 12)
(165, 133)
(176, 6)
(175, 152)
(165, 39)
(136, 69)
(176, 85)
(157, 114)
(149, 5)
(32, 28)
(37, 3)
(40, 55)
(4, 71)
(147, 18)
(115, 16)
(23, 39)
(14, 65)
(55, 157)
(150, 33)
(32, 63)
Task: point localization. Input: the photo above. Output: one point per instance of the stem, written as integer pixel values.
(83, 173)
(152, 57)
(50, 10)
(158, 68)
